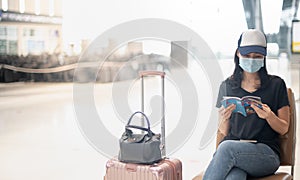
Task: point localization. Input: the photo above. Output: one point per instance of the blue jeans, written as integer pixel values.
(237, 160)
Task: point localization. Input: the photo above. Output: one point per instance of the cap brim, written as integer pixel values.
(253, 49)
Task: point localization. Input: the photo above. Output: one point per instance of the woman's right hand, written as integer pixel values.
(224, 115)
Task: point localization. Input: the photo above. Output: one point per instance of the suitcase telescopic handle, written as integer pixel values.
(152, 73)
(162, 75)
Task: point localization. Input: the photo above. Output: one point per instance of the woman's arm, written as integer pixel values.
(224, 115)
(279, 123)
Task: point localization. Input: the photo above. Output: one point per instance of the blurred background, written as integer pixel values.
(43, 42)
(37, 34)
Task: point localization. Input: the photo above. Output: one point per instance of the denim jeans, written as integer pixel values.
(237, 160)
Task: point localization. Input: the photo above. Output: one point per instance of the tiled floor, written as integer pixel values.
(40, 137)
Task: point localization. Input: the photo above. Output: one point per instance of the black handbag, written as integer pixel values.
(141, 148)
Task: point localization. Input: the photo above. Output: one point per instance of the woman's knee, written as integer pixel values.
(226, 146)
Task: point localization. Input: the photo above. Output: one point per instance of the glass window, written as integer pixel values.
(35, 47)
(4, 5)
(25, 32)
(271, 16)
(3, 46)
(32, 32)
(37, 7)
(12, 47)
(12, 33)
(51, 8)
(2, 31)
(22, 6)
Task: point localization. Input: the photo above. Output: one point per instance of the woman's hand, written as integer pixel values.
(264, 112)
(225, 113)
(278, 123)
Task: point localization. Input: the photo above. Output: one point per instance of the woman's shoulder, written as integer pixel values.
(230, 81)
(275, 79)
(226, 82)
(276, 82)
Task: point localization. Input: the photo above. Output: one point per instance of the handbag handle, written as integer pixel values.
(139, 127)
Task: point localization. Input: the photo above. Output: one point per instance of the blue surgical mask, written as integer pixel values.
(251, 65)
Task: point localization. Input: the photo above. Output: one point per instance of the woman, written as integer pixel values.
(250, 146)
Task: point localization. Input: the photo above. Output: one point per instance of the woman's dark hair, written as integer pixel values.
(237, 76)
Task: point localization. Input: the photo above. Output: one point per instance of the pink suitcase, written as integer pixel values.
(167, 169)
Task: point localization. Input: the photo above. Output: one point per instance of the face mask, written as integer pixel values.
(251, 65)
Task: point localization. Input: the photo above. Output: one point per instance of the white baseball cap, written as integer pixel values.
(252, 41)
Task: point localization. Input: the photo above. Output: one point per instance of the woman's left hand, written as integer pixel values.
(264, 112)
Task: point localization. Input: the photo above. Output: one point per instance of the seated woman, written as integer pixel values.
(250, 146)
